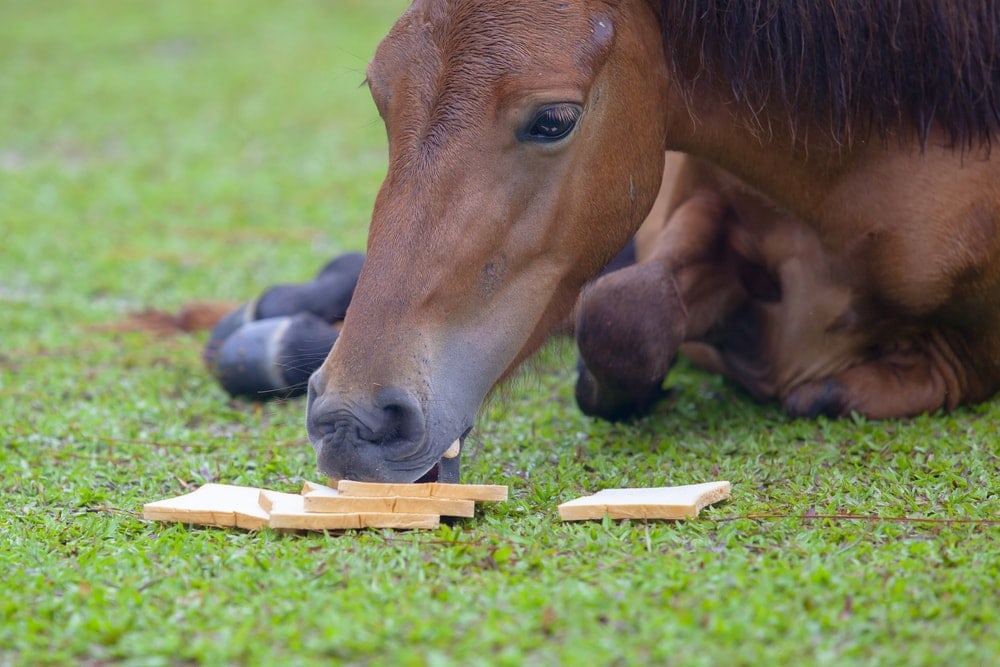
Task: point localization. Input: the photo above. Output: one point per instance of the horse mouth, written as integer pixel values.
(390, 443)
(447, 469)
(432, 475)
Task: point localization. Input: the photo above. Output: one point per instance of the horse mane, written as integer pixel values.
(896, 68)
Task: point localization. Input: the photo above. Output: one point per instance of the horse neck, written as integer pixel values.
(796, 171)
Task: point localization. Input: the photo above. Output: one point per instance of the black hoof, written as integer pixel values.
(827, 398)
(629, 324)
(224, 328)
(606, 401)
(327, 297)
(347, 264)
(274, 357)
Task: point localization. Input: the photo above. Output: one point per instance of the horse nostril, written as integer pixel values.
(402, 416)
(320, 418)
(314, 388)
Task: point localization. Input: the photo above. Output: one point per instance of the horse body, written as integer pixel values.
(903, 233)
(842, 314)
(526, 145)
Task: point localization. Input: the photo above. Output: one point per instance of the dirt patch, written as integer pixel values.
(191, 317)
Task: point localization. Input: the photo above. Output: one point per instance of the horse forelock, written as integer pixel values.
(852, 67)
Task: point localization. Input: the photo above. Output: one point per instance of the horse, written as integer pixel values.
(811, 182)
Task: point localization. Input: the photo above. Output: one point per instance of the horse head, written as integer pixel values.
(525, 147)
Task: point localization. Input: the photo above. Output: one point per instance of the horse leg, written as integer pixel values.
(271, 345)
(900, 384)
(919, 375)
(630, 322)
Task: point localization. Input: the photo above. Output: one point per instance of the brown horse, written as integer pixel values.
(831, 240)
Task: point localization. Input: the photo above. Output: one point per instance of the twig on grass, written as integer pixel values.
(107, 509)
(247, 439)
(853, 517)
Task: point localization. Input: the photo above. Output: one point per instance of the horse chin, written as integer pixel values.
(339, 458)
(369, 464)
(375, 468)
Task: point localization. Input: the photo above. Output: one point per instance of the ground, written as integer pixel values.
(153, 154)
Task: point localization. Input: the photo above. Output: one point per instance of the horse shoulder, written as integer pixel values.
(923, 231)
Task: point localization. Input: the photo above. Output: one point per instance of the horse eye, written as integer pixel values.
(552, 123)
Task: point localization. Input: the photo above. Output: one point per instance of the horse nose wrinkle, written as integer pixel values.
(393, 418)
(381, 437)
(325, 412)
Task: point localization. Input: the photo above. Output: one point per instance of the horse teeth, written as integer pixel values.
(453, 450)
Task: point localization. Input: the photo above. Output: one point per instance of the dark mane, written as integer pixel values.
(895, 68)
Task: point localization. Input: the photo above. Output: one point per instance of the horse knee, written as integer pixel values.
(628, 327)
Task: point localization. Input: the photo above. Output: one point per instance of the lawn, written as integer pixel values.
(152, 154)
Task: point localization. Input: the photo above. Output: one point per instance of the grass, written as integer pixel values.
(155, 154)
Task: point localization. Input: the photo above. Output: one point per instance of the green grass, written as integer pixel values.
(156, 153)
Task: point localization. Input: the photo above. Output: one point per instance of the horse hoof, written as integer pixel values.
(224, 328)
(629, 324)
(349, 263)
(826, 397)
(605, 401)
(273, 357)
(327, 297)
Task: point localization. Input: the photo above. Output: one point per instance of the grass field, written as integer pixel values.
(152, 154)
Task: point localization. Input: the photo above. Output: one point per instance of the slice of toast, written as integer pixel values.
(667, 502)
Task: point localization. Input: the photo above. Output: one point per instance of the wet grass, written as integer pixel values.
(152, 155)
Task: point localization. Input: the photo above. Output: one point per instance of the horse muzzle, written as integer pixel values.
(384, 439)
